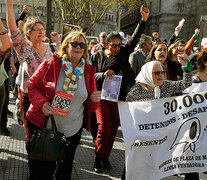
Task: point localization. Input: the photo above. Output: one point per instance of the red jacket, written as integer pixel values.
(42, 89)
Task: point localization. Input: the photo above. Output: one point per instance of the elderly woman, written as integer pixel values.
(69, 73)
(151, 84)
(30, 50)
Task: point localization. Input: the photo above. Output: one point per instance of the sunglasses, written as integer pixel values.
(159, 72)
(103, 36)
(115, 45)
(75, 44)
(39, 30)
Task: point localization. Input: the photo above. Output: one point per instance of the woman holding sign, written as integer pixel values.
(63, 84)
(150, 83)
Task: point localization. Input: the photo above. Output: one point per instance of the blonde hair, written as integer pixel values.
(29, 25)
(72, 36)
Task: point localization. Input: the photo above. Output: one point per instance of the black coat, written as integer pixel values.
(121, 65)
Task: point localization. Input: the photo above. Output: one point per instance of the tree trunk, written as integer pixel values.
(48, 18)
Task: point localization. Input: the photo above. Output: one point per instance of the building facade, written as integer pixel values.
(165, 16)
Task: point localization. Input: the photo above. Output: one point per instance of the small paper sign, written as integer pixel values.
(111, 88)
(61, 103)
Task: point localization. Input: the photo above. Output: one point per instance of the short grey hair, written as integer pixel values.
(143, 40)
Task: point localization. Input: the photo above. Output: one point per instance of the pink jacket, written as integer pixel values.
(42, 89)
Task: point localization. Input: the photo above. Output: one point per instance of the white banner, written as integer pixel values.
(165, 137)
(196, 87)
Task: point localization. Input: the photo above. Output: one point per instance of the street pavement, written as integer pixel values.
(13, 156)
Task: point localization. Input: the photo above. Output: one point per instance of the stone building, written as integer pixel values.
(165, 16)
(107, 24)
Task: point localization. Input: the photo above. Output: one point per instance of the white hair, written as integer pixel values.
(204, 43)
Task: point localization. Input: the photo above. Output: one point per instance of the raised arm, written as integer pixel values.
(191, 41)
(173, 37)
(139, 30)
(23, 14)
(10, 16)
(5, 43)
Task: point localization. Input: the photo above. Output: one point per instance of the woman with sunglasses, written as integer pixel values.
(150, 83)
(31, 52)
(114, 60)
(66, 73)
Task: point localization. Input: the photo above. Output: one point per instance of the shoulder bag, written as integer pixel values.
(48, 144)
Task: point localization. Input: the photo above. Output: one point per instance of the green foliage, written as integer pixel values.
(84, 13)
(35, 6)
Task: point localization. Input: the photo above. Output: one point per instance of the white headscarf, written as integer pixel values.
(145, 76)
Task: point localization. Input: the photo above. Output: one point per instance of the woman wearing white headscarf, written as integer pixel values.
(150, 84)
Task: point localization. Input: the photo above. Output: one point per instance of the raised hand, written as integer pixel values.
(181, 55)
(197, 31)
(25, 8)
(144, 12)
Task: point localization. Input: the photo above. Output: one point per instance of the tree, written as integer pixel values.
(86, 13)
(49, 17)
(34, 10)
(33, 4)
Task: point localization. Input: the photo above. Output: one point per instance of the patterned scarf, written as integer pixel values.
(72, 76)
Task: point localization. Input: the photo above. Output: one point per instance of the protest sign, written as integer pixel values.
(196, 87)
(111, 88)
(61, 103)
(165, 137)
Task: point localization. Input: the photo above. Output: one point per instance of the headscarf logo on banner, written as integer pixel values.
(190, 136)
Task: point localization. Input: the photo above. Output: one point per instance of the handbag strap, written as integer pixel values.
(54, 127)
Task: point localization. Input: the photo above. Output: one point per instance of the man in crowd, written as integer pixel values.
(156, 36)
(137, 59)
(109, 62)
(102, 44)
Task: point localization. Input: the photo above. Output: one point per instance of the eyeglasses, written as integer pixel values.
(103, 36)
(75, 44)
(159, 72)
(115, 45)
(39, 30)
